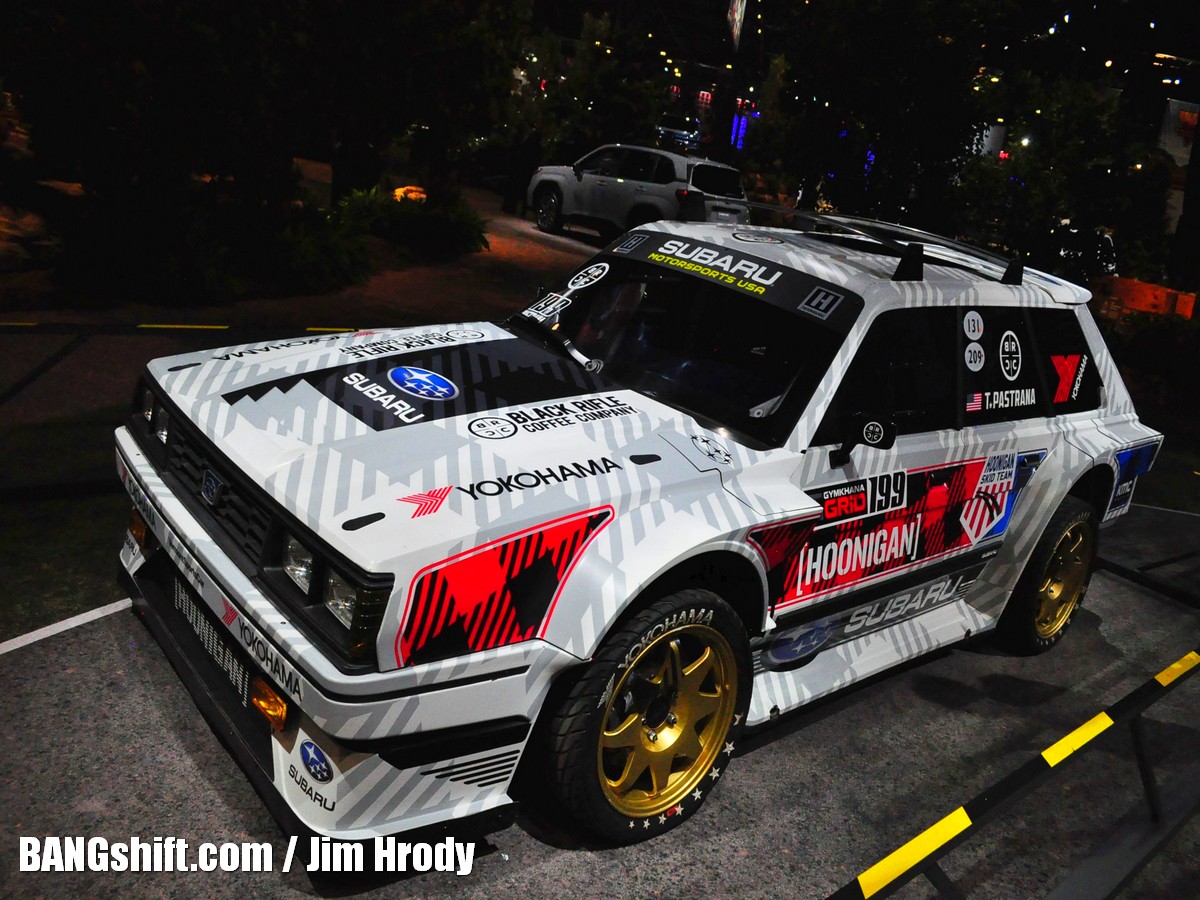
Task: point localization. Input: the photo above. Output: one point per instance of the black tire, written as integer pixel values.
(645, 734)
(547, 203)
(1054, 582)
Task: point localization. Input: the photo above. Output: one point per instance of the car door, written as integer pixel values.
(932, 506)
(596, 173)
(635, 189)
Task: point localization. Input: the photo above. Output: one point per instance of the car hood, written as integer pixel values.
(385, 441)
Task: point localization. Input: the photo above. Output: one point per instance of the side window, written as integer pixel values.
(664, 172)
(603, 162)
(904, 370)
(1002, 378)
(1072, 377)
(638, 166)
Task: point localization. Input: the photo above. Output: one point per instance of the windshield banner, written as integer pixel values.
(749, 275)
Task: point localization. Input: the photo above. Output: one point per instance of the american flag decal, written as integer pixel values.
(974, 402)
(428, 502)
(230, 615)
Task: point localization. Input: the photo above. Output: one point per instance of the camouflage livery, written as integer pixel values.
(519, 504)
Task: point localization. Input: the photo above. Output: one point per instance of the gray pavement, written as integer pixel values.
(103, 740)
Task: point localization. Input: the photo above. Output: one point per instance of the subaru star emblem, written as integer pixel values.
(712, 449)
(423, 383)
(211, 487)
(316, 762)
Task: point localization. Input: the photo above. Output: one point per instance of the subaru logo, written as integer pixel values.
(316, 762)
(802, 645)
(423, 383)
(211, 487)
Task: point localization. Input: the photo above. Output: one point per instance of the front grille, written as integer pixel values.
(210, 660)
(215, 643)
(233, 509)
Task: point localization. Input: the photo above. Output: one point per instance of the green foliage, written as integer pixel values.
(607, 86)
(430, 229)
(181, 120)
(1080, 163)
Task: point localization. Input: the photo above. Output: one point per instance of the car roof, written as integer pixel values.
(887, 264)
(684, 158)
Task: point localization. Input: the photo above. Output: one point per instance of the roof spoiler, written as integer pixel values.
(911, 250)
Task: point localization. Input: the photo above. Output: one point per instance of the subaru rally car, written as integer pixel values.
(719, 473)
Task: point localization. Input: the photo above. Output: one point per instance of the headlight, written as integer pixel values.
(298, 563)
(162, 423)
(147, 404)
(340, 598)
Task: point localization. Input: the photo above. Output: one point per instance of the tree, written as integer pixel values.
(606, 86)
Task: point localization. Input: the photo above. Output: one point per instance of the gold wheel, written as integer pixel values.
(666, 719)
(1064, 580)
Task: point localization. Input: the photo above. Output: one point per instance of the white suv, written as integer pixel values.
(721, 472)
(620, 186)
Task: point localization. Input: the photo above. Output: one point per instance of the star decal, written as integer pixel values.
(697, 793)
(645, 823)
(678, 810)
(662, 820)
(631, 823)
(737, 719)
(715, 773)
(729, 747)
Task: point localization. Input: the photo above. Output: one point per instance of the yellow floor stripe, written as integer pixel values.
(900, 861)
(202, 327)
(328, 329)
(1173, 671)
(1057, 752)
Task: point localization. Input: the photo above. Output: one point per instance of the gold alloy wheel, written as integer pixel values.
(1064, 580)
(665, 721)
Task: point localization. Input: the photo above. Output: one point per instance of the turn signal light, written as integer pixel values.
(137, 528)
(268, 702)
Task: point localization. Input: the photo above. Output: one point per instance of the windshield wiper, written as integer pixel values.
(549, 337)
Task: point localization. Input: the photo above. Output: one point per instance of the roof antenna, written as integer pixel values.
(912, 263)
(1014, 273)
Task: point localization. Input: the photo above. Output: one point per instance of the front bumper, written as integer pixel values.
(399, 751)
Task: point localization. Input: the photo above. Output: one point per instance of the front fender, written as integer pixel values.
(626, 559)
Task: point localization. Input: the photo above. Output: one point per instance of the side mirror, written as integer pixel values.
(871, 430)
(578, 172)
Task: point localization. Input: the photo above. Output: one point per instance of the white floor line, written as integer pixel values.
(1182, 512)
(65, 625)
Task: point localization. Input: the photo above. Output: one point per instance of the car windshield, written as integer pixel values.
(731, 361)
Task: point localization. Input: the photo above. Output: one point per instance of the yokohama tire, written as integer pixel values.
(645, 734)
(1054, 581)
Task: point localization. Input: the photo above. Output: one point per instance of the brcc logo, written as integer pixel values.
(491, 427)
(588, 276)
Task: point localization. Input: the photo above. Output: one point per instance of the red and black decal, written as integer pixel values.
(808, 558)
(1069, 368)
(498, 594)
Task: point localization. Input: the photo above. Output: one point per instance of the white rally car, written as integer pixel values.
(721, 472)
